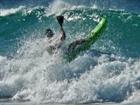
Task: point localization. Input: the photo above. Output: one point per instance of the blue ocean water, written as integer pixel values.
(107, 72)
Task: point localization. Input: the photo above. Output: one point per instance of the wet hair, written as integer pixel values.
(49, 32)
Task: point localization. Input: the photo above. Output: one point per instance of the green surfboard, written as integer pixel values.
(84, 44)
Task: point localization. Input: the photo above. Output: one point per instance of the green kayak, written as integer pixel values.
(84, 44)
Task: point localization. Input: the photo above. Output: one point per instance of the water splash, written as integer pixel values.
(5, 12)
(39, 77)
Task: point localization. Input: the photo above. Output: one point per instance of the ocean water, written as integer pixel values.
(107, 74)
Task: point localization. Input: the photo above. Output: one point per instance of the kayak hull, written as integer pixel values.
(84, 44)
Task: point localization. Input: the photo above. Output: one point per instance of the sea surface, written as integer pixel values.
(106, 74)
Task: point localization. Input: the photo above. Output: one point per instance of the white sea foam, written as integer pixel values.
(134, 98)
(57, 7)
(37, 76)
(2, 59)
(5, 12)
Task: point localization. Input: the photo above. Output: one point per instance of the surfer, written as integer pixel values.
(77, 46)
(55, 43)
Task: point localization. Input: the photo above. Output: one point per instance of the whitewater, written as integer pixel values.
(107, 74)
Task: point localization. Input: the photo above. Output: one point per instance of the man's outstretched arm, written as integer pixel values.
(63, 35)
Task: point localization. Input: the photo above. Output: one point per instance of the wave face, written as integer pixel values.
(107, 72)
(104, 4)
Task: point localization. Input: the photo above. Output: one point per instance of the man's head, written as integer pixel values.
(49, 33)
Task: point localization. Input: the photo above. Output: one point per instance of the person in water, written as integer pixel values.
(55, 43)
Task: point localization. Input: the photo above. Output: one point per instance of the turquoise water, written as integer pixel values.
(107, 72)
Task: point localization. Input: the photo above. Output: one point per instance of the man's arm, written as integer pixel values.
(63, 35)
